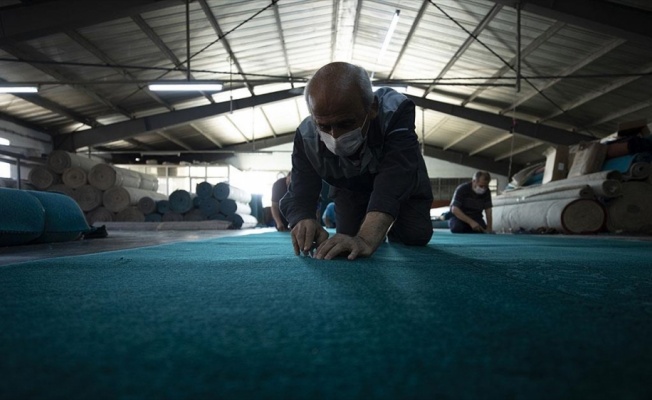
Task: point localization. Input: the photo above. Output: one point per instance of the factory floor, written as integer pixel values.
(116, 240)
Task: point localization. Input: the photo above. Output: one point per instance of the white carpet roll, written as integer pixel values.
(88, 197)
(60, 160)
(74, 177)
(118, 198)
(104, 177)
(43, 177)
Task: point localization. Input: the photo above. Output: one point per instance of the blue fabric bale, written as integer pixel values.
(204, 189)
(22, 217)
(64, 220)
(181, 201)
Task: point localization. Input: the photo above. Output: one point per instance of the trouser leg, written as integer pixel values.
(413, 226)
(350, 210)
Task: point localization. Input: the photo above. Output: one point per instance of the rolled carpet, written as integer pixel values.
(43, 177)
(60, 160)
(181, 201)
(224, 190)
(23, 217)
(74, 177)
(104, 177)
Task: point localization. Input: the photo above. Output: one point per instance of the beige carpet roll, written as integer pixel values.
(631, 212)
(118, 198)
(88, 197)
(104, 177)
(74, 177)
(564, 215)
(100, 214)
(60, 160)
(147, 204)
(43, 177)
(130, 214)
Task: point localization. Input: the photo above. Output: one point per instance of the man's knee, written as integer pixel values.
(415, 237)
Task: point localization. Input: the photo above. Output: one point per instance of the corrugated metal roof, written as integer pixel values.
(576, 77)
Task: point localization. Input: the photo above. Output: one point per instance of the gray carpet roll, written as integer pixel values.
(118, 198)
(147, 204)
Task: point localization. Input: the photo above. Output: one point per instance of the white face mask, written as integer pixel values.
(479, 190)
(345, 145)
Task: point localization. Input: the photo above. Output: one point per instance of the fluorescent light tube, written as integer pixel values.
(185, 86)
(18, 89)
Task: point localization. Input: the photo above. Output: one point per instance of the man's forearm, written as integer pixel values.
(461, 215)
(374, 228)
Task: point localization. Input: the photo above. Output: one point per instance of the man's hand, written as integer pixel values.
(354, 246)
(307, 235)
(476, 226)
(281, 228)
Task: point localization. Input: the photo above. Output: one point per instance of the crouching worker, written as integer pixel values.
(364, 145)
(469, 201)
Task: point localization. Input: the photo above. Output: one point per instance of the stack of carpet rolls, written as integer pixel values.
(104, 192)
(222, 201)
(616, 199)
(39, 217)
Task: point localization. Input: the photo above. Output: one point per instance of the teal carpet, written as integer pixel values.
(468, 317)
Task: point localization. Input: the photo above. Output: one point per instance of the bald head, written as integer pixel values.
(339, 80)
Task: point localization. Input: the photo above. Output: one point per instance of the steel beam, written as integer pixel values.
(600, 16)
(524, 128)
(137, 126)
(45, 18)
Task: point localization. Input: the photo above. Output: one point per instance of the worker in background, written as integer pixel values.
(329, 215)
(470, 200)
(279, 188)
(364, 145)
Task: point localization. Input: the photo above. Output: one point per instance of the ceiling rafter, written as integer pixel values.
(600, 91)
(525, 128)
(621, 113)
(237, 128)
(91, 48)
(565, 72)
(225, 43)
(156, 39)
(490, 144)
(206, 135)
(462, 137)
(436, 127)
(408, 39)
(482, 25)
(31, 54)
(137, 126)
(176, 141)
(535, 44)
(284, 50)
(45, 18)
(521, 149)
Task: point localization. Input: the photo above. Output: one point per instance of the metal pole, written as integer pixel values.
(518, 47)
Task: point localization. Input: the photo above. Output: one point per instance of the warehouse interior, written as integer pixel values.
(536, 92)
